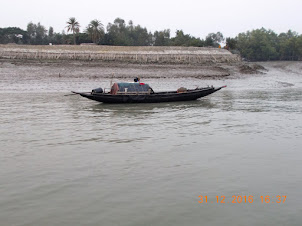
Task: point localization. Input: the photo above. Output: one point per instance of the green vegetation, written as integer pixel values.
(255, 45)
(95, 30)
(120, 34)
(74, 26)
(263, 45)
(13, 35)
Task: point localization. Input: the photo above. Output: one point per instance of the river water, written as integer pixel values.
(66, 160)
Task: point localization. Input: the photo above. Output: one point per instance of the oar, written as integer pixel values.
(70, 94)
(75, 93)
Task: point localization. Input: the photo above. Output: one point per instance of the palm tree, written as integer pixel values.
(95, 29)
(74, 26)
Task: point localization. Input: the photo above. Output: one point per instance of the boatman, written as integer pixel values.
(137, 79)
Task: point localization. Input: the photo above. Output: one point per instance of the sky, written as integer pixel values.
(197, 18)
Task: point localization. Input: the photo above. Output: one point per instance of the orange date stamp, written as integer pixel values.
(242, 199)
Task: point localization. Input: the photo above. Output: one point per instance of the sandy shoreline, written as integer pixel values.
(155, 62)
(121, 54)
(93, 69)
(123, 62)
(46, 76)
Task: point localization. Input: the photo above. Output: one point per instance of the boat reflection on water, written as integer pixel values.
(133, 109)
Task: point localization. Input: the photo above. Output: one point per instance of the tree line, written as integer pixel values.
(118, 33)
(263, 45)
(255, 45)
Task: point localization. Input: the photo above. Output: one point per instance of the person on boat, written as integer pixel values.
(137, 79)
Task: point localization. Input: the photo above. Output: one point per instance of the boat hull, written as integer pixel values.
(150, 98)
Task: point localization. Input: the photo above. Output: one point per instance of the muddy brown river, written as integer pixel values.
(66, 160)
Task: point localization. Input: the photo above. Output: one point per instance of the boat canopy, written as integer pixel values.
(124, 87)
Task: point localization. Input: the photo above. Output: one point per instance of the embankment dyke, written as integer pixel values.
(130, 54)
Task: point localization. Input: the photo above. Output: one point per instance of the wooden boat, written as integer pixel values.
(143, 93)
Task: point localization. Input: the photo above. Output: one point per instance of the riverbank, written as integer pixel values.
(120, 54)
(20, 76)
(125, 61)
(106, 70)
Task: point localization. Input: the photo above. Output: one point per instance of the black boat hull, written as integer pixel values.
(150, 98)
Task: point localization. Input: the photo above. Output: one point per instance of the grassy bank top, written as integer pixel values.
(115, 49)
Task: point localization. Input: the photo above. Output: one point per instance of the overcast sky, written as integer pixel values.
(194, 17)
